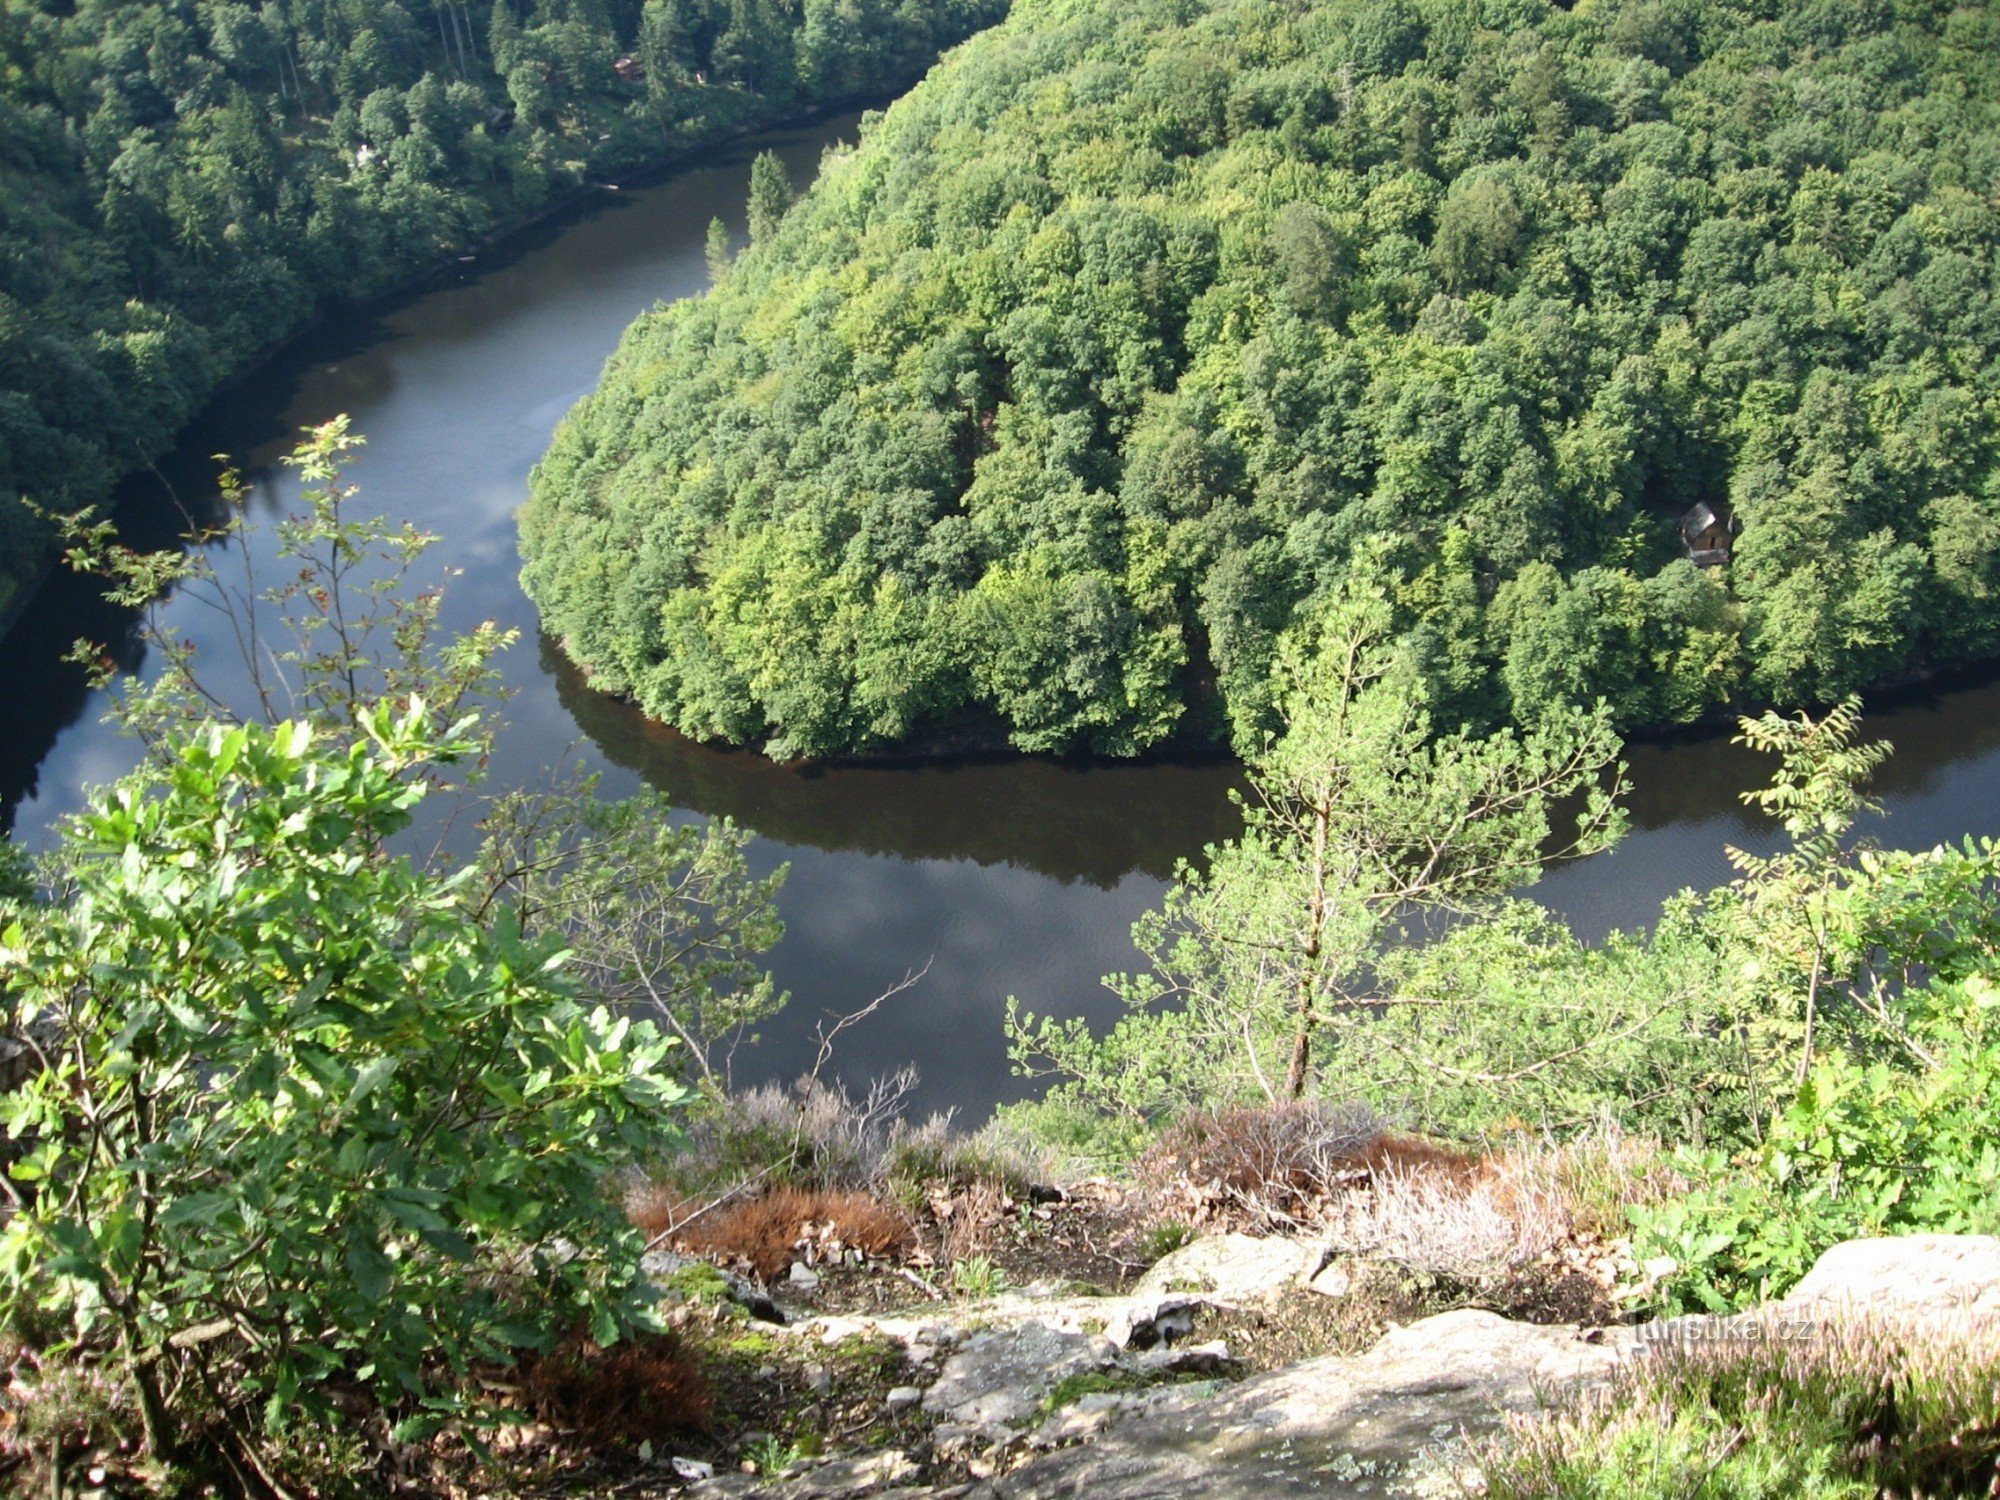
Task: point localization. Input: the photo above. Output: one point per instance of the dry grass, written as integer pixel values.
(1597, 1176)
(966, 1219)
(1539, 1224)
(644, 1388)
(764, 1235)
(1471, 1226)
(819, 1136)
(1281, 1167)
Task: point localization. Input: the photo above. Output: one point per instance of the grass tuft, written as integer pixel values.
(1848, 1411)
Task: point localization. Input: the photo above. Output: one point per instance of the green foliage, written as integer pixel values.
(1362, 820)
(976, 1276)
(348, 627)
(716, 251)
(1866, 1146)
(182, 182)
(1134, 330)
(658, 911)
(299, 1123)
(1511, 1020)
(770, 196)
(1163, 1240)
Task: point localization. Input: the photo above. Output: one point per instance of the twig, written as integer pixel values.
(917, 1281)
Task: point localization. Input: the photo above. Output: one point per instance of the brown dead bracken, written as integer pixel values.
(764, 1235)
(643, 1388)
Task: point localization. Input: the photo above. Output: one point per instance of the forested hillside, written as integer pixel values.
(183, 181)
(1143, 322)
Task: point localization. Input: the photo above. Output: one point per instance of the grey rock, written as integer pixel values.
(802, 1276)
(841, 1479)
(1140, 1322)
(1933, 1274)
(1232, 1267)
(1391, 1422)
(955, 1442)
(1332, 1280)
(903, 1397)
(1004, 1375)
(659, 1266)
(1185, 1359)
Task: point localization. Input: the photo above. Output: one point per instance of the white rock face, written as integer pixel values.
(1932, 1274)
(1004, 1376)
(1232, 1268)
(1392, 1422)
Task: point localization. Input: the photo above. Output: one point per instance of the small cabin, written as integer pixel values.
(629, 68)
(1707, 535)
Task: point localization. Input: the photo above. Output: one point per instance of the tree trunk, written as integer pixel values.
(1301, 1064)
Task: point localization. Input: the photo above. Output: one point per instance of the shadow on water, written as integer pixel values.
(1071, 821)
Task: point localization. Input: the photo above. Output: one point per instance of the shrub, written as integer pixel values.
(809, 1136)
(307, 1125)
(1855, 1410)
(977, 1276)
(1277, 1166)
(641, 1389)
(1894, 1143)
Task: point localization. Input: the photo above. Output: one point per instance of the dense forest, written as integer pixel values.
(1139, 326)
(182, 182)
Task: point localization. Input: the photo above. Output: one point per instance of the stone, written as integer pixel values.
(1185, 1359)
(802, 1276)
(840, 1479)
(1231, 1268)
(819, 1380)
(1142, 1322)
(956, 1442)
(1004, 1375)
(661, 1267)
(1332, 1280)
(903, 1397)
(1932, 1274)
(1392, 1422)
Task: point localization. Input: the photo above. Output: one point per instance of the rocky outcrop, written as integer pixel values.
(1033, 1398)
(1926, 1274)
(1393, 1421)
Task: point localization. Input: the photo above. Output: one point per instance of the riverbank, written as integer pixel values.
(574, 201)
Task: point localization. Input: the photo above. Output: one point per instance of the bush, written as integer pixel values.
(643, 1389)
(1883, 1144)
(1853, 1411)
(301, 1126)
(1266, 1168)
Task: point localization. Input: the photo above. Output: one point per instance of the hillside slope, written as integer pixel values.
(182, 182)
(1139, 324)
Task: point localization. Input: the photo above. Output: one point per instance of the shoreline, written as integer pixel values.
(424, 279)
(969, 743)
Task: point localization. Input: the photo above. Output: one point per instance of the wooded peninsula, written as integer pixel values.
(1137, 327)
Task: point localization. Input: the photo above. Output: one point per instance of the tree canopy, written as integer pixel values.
(183, 181)
(1138, 327)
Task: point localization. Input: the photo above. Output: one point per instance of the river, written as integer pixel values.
(995, 878)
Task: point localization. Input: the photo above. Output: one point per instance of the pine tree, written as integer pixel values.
(770, 196)
(718, 251)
